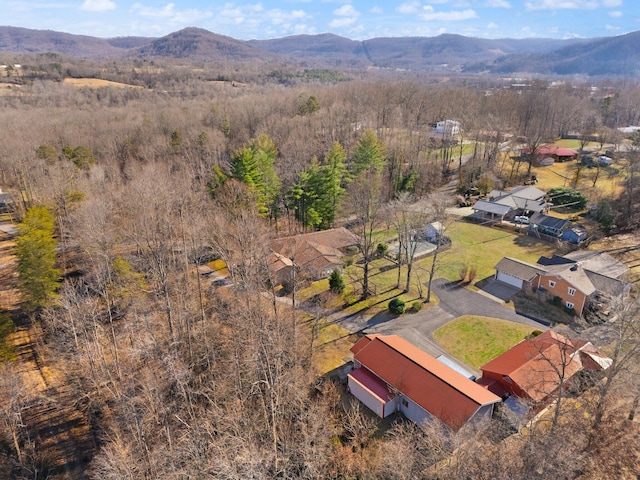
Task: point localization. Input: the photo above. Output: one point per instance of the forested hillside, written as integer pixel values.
(611, 56)
(134, 190)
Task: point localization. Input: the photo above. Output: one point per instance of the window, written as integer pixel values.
(569, 305)
(405, 403)
(552, 283)
(572, 291)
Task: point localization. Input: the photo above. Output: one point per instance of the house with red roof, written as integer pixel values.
(557, 154)
(392, 375)
(533, 369)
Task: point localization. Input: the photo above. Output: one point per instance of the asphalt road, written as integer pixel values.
(418, 328)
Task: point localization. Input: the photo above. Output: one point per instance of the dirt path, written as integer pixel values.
(51, 416)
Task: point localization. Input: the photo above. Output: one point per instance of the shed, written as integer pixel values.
(433, 231)
(575, 234)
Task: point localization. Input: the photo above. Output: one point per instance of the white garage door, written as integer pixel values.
(509, 279)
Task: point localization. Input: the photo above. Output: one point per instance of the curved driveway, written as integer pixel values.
(418, 328)
(459, 301)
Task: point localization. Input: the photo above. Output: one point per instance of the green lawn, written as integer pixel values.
(483, 247)
(477, 340)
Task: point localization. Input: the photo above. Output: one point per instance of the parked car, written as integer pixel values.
(522, 219)
(604, 160)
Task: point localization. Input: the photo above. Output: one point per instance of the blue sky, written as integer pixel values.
(356, 19)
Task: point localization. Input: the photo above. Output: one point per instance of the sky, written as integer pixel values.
(355, 19)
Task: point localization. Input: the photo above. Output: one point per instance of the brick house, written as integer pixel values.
(315, 254)
(577, 278)
(531, 369)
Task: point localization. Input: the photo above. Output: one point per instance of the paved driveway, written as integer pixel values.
(500, 290)
(459, 301)
(418, 328)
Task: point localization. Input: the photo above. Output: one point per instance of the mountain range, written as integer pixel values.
(605, 56)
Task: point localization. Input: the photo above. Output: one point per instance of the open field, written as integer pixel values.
(564, 174)
(477, 340)
(11, 89)
(96, 83)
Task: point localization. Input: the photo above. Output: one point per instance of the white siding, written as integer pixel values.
(483, 413)
(509, 279)
(413, 411)
(367, 397)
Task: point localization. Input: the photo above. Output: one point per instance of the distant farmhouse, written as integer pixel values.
(392, 375)
(547, 155)
(315, 254)
(577, 278)
(447, 127)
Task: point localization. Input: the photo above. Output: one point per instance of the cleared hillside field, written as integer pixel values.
(96, 83)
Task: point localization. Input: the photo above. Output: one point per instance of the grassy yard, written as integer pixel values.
(477, 340)
(331, 346)
(483, 247)
(472, 245)
(382, 283)
(608, 184)
(572, 175)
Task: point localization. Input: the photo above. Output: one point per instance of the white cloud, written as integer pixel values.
(571, 4)
(492, 26)
(347, 15)
(408, 8)
(453, 3)
(342, 22)
(429, 14)
(346, 10)
(284, 18)
(498, 4)
(615, 14)
(98, 5)
(376, 10)
(169, 13)
(612, 27)
(164, 12)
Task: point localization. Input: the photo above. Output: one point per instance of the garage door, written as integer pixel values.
(509, 279)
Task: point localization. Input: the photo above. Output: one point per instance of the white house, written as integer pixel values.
(449, 127)
(433, 231)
